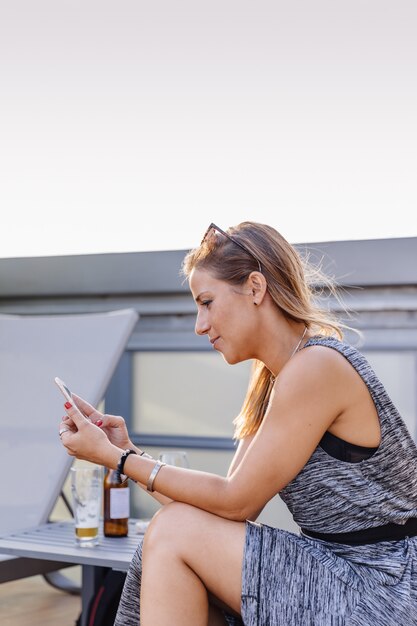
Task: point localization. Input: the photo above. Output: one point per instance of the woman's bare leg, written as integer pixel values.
(187, 553)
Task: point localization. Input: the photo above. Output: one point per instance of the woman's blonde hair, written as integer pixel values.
(293, 284)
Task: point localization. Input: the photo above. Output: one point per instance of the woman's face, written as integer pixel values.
(225, 313)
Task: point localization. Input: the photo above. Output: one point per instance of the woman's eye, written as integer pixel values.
(206, 302)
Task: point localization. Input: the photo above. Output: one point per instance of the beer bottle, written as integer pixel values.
(116, 505)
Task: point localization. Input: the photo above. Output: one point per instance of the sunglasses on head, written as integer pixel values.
(215, 228)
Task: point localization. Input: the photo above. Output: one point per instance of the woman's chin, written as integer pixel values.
(231, 359)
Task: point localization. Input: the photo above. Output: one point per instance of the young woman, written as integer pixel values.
(316, 426)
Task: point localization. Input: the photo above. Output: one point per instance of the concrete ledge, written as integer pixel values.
(377, 262)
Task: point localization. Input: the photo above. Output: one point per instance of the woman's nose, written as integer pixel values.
(201, 325)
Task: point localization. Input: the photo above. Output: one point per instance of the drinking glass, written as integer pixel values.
(174, 457)
(86, 490)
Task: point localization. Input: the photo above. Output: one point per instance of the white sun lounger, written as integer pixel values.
(84, 351)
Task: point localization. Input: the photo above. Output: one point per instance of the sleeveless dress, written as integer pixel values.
(295, 580)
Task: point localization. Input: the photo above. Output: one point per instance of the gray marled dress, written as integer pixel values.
(294, 580)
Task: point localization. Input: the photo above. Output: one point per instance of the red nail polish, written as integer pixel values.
(68, 405)
(99, 422)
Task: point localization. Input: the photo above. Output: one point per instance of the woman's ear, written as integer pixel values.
(257, 286)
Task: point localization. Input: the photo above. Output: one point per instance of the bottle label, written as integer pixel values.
(119, 503)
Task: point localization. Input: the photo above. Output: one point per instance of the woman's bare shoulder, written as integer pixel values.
(318, 365)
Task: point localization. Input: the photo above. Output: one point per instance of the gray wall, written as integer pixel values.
(379, 280)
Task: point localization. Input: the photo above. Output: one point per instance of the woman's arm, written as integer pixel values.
(114, 426)
(310, 392)
(239, 454)
(159, 497)
(238, 457)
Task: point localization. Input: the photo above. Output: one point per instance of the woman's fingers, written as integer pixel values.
(107, 421)
(74, 413)
(86, 408)
(80, 413)
(68, 421)
(66, 428)
(84, 440)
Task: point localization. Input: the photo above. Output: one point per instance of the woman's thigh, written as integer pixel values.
(211, 546)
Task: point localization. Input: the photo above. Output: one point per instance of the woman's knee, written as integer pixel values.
(171, 525)
(210, 546)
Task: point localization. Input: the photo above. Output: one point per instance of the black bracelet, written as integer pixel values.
(121, 464)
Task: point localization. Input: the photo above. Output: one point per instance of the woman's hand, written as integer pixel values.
(85, 440)
(113, 425)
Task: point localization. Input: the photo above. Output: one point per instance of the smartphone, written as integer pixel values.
(64, 390)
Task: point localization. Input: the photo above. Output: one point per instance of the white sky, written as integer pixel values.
(132, 125)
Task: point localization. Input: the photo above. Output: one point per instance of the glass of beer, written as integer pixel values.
(178, 458)
(86, 490)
